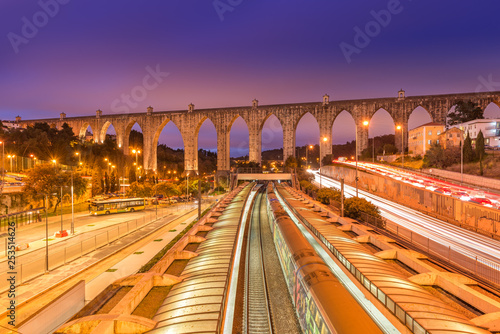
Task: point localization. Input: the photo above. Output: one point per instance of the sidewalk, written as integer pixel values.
(125, 266)
(34, 234)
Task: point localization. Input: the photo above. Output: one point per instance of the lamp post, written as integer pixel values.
(72, 205)
(55, 163)
(399, 127)
(462, 158)
(11, 157)
(3, 162)
(46, 233)
(79, 157)
(320, 161)
(307, 153)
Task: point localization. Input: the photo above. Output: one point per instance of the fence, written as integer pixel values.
(21, 218)
(475, 265)
(35, 264)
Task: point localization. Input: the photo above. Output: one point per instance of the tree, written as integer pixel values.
(464, 112)
(468, 152)
(480, 150)
(106, 183)
(113, 184)
(166, 189)
(45, 179)
(97, 187)
(438, 157)
(291, 163)
(137, 189)
(327, 160)
(131, 176)
(390, 149)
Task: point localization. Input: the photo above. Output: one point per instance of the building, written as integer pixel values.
(420, 139)
(451, 138)
(489, 127)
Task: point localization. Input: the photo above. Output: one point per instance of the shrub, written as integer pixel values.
(354, 206)
(327, 194)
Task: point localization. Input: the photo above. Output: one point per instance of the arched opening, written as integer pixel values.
(207, 148)
(344, 136)
(307, 140)
(239, 139)
(492, 110)
(108, 132)
(272, 143)
(135, 146)
(418, 117)
(169, 151)
(381, 136)
(86, 133)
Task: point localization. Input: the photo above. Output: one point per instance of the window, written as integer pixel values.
(458, 135)
(438, 133)
(429, 141)
(437, 141)
(430, 133)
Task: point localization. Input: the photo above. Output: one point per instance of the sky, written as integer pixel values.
(79, 56)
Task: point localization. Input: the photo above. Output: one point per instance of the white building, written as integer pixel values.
(489, 127)
(10, 125)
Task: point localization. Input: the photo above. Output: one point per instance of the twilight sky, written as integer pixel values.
(83, 55)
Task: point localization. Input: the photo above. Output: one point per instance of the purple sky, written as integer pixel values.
(86, 54)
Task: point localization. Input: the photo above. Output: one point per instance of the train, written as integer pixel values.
(321, 302)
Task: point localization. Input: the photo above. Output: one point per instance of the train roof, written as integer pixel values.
(421, 305)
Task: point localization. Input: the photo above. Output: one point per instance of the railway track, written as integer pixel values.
(256, 314)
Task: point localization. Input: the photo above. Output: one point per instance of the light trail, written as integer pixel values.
(467, 242)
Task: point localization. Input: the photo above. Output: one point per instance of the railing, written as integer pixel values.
(21, 218)
(474, 264)
(59, 257)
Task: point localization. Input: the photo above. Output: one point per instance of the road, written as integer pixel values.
(463, 192)
(467, 242)
(86, 226)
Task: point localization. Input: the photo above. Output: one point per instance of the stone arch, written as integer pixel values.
(426, 109)
(299, 118)
(160, 128)
(155, 141)
(381, 111)
(424, 113)
(266, 136)
(83, 130)
(104, 130)
(126, 134)
(230, 124)
(344, 115)
(205, 166)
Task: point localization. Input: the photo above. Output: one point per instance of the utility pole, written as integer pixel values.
(72, 206)
(199, 196)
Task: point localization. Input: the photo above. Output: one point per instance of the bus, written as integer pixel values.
(105, 207)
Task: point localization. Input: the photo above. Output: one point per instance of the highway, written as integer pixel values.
(465, 193)
(464, 241)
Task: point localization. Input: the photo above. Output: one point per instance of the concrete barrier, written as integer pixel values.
(57, 312)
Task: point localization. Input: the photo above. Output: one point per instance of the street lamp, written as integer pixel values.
(399, 127)
(320, 161)
(136, 152)
(307, 153)
(10, 157)
(3, 163)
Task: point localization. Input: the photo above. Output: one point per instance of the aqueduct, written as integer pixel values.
(189, 122)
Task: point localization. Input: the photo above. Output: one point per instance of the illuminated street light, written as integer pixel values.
(11, 157)
(320, 161)
(399, 127)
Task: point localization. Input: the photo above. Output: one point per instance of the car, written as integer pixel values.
(462, 195)
(443, 190)
(481, 200)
